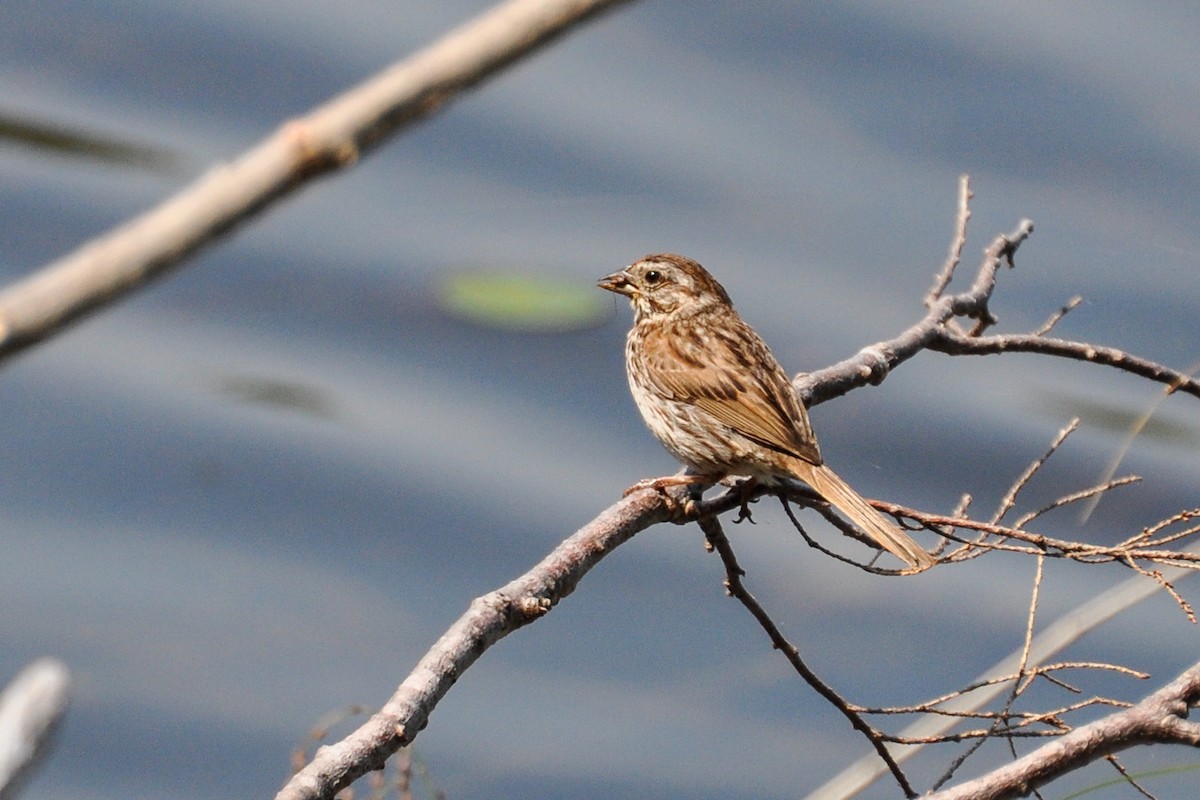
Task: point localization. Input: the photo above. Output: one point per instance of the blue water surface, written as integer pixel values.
(257, 491)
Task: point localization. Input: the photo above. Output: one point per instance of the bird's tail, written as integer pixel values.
(885, 533)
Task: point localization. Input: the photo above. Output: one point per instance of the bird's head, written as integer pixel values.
(665, 284)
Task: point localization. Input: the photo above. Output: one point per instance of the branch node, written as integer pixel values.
(532, 606)
(875, 362)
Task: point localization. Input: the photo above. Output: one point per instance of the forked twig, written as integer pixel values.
(957, 242)
(1010, 497)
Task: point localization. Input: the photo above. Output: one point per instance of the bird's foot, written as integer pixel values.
(745, 488)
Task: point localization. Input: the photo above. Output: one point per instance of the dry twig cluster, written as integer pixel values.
(1146, 552)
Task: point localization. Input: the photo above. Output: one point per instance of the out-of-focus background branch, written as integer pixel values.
(335, 135)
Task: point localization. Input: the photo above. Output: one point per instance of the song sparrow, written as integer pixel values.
(710, 390)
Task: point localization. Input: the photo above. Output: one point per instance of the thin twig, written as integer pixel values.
(1057, 316)
(1075, 497)
(845, 527)
(1129, 779)
(1001, 727)
(954, 344)
(1146, 537)
(1030, 623)
(1135, 430)
(1160, 717)
(1010, 498)
(944, 276)
(1157, 576)
(736, 588)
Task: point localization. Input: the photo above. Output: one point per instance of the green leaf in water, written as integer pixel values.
(526, 303)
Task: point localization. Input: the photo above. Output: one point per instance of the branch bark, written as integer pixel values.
(1161, 718)
(489, 619)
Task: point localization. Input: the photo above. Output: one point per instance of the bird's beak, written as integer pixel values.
(617, 282)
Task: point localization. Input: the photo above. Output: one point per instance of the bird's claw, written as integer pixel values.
(744, 514)
(745, 488)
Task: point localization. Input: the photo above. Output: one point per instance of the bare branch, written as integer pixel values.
(1058, 315)
(489, 619)
(943, 278)
(1160, 718)
(872, 364)
(958, 345)
(1036, 543)
(1053, 639)
(736, 588)
(937, 332)
(1010, 498)
(31, 708)
(1134, 431)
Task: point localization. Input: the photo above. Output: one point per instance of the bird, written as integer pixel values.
(711, 392)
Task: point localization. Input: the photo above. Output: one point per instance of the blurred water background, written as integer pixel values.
(258, 491)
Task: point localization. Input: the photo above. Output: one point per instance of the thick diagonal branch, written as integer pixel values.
(489, 619)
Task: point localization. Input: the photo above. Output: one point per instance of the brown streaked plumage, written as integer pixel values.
(712, 393)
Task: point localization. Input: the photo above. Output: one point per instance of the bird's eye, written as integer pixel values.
(653, 277)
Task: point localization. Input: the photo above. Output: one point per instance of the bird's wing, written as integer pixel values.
(734, 378)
